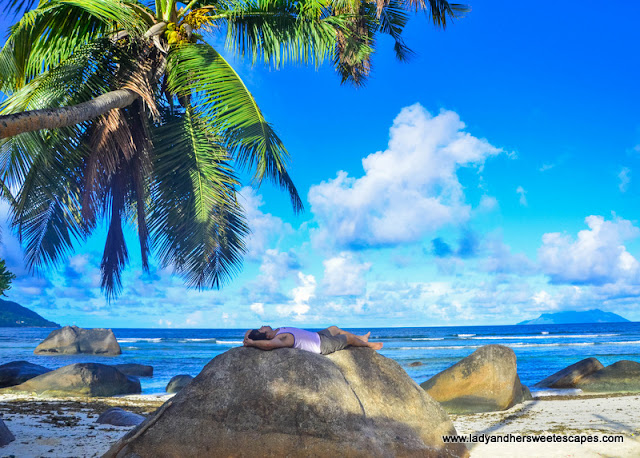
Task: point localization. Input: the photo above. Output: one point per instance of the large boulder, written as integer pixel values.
(621, 376)
(17, 372)
(80, 379)
(178, 382)
(247, 402)
(72, 339)
(485, 381)
(119, 417)
(137, 370)
(571, 375)
(5, 435)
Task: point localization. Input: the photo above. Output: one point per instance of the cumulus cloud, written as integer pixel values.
(598, 255)
(407, 190)
(344, 275)
(276, 266)
(264, 226)
(298, 306)
(625, 178)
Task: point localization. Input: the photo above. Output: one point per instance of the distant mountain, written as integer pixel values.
(16, 316)
(590, 316)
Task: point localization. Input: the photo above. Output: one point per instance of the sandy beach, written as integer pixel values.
(46, 427)
(596, 415)
(51, 427)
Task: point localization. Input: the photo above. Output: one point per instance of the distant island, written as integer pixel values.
(14, 315)
(590, 316)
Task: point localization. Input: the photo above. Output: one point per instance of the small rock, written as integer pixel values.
(5, 435)
(178, 382)
(119, 417)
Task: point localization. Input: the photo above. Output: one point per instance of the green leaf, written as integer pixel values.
(201, 73)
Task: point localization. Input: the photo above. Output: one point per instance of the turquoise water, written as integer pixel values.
(541, 349)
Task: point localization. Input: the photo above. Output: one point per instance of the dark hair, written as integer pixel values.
(257, 335)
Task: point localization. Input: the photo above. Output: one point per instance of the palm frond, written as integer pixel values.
(392, 19)
(51, 33)
(47, 211)
(195, 221)
(115, 256)
(277, 31)
(201, 73)
(440, 10)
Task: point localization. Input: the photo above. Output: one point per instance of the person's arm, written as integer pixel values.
(281, 341)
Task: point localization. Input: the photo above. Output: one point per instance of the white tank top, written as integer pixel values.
(302, 339)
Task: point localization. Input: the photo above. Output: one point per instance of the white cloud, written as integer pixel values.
(407, 190)
(264, 226)
(523, 196)
(257, 307)
(302, 295)
(344, 276)
(625, 178)
(597, 257)
(544, 301)
(276, 265)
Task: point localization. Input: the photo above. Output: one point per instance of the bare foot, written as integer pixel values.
(365, 338)
(375, 345)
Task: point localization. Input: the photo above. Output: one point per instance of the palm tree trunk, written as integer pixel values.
(52, 118)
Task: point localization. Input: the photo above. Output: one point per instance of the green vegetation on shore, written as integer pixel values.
(16, 316)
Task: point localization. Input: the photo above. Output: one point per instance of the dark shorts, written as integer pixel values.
(329, 343)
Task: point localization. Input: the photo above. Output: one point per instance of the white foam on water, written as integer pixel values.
(229, 342)
(546, 336)
(210, 339)
(563, 344)
(465, 335)
(428, 338)
(140, 339)
(444, 347)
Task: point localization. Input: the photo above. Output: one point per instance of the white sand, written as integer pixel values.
(46, 427)
(600, 416)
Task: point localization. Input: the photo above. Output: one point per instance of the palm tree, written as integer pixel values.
(121, 112)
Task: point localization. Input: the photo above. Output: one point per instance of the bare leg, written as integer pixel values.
(355, 342)
(335, 330)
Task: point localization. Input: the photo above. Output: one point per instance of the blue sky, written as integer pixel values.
(494, 177)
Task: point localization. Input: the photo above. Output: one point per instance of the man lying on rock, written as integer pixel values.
(324, 342)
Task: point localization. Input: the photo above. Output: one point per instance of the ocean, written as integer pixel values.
(541, 349)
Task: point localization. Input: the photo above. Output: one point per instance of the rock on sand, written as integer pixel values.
(571, 375)
(81, 379)
(17, 372)
(287, 402)
(137, 370)
(72, 340)
(5, 435)
(177, 383)
(119, 417)
(485, 381)
(621, 376)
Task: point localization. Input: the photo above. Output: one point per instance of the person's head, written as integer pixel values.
(255, 334)
(263, 333)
